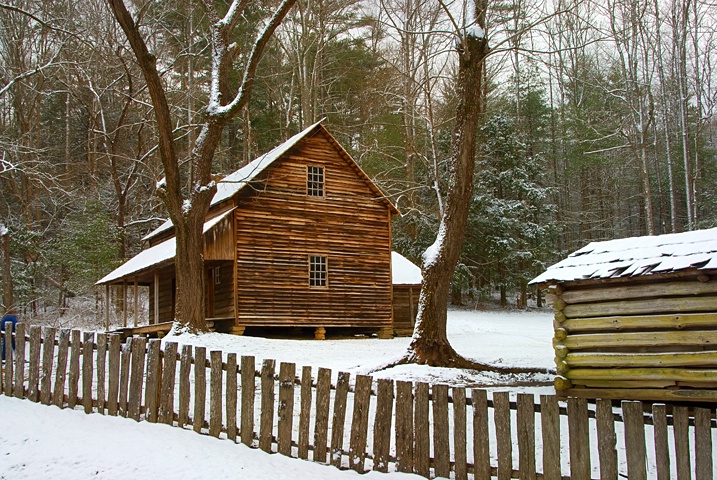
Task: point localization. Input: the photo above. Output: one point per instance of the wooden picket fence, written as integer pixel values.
(432, 430)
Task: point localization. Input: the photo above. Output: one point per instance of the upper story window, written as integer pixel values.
(317, 271)
(315, 181)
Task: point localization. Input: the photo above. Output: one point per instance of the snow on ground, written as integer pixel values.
(38, 441)
(503, 338)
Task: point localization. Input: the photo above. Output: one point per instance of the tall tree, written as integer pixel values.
(187, 202)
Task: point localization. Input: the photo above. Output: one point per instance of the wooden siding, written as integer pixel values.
(657, 341)
(405, 307)
(219, 241)
(166, 297)
(279, 226)
(223, 291)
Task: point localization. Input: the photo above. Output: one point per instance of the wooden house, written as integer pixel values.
(636, 318)
(299, 237)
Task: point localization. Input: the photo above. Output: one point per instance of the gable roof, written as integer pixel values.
(636, 256)
(236, 181)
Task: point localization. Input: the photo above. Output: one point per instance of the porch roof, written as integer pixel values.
(161, 253)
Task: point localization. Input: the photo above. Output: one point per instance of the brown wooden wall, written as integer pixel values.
(279, 226)
(652, 341)
(405, 307)
(223, 292)
(166, 297)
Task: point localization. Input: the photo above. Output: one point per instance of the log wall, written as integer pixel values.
(648, 341)
(279, 227)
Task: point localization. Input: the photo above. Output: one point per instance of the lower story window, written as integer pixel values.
(317, 271)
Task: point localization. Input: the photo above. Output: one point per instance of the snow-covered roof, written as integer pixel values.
(234, 182)
(403, 271)
(154, 255)
(635, 256)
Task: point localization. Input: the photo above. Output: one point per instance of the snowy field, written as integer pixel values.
(45, 442)
(505, 338)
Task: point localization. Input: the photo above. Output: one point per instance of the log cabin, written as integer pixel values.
(299, 237)
(636, 318)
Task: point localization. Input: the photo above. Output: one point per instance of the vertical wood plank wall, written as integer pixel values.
(360, 423)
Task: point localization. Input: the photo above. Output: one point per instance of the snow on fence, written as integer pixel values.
(381, 425)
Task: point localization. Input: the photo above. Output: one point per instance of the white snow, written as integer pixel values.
(404, 271)
(494, 337)
(637, 256)
(38, 441)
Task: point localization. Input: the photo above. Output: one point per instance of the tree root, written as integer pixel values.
(440, 354)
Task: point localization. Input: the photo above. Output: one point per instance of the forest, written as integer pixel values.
(598, 123)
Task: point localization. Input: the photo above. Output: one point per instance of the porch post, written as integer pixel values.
(136, 301)
(156, 296)
(124, 303)
(107, 307)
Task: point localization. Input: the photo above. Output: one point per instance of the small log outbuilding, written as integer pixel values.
(300, 237)
(636, 318)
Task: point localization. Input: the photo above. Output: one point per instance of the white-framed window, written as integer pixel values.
(314, 181)
(318, 271)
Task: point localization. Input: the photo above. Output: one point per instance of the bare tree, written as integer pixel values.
(188, 202)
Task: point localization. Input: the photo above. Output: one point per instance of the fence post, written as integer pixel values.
(635, 450)
(459, 433)
(153, 380)
(169, 370)
(114, 374)
(404, 426)
(681, 432)
(266, 422)
(88, 349)
(481, 439)
(422, 450)
(101, 372)
(321, 426)
(73, 378)
(359, 423)
(703, 444)
(382, 424)
(136, 381)
(58, 394)
(606, 439)
(200, 387)
(579, 438)
(287, 373)
(19, 390)
(215, 393)
(185, 367)
(305, 413)
(662, 447)
(441, 446)
(339, 418)
(525, 418)
(33, 378)
(248, 387)
(504, 442)
(550, 423)
(48, 356)
(231, 406)
(125, 358)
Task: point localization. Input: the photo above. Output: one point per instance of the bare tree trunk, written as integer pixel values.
(429, 344)
(8, 290)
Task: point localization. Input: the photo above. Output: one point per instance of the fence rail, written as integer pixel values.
(364, 424)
